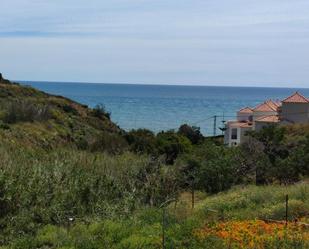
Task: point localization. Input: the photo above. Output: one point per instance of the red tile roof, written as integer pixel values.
(296, 98)
(268, 119)
(245, 110)
(267, 106)
(274, 105)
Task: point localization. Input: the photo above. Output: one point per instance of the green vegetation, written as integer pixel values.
(71, 178)
(142, 229)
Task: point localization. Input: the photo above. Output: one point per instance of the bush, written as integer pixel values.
(99, 111)
(141, 141)
(24, 111)
(109, 142)
(69, 109)
(193, 133)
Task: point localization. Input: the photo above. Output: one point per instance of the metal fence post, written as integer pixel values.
(286, 209)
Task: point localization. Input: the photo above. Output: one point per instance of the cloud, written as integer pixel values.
(198, 41)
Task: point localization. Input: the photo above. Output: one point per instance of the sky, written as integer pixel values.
(186, 42)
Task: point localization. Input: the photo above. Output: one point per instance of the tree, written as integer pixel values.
(171, 145)
(193, 133)
(189, 171)
(142, 141)
(278, 153)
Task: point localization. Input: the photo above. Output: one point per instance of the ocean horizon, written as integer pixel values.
(163, 107)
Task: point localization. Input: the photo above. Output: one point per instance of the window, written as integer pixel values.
(234, 133)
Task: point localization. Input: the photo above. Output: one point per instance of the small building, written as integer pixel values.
(294, 109)
(236, 132)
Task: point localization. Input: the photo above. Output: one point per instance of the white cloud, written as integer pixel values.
(198, 41)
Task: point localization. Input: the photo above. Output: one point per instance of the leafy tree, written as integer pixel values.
(278, 153)
(193, 133)
(171, 145)
(210, 168)
(141, 141)
(189, 174)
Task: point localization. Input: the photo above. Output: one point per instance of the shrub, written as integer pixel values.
(99, 111)
(24, 111)
(69, 109)
(109, 142)
(141, 141)
(193, 133)
(4, 126)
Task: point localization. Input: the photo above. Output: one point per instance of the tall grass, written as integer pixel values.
(24, 111)
(38, 188)
(263, 202)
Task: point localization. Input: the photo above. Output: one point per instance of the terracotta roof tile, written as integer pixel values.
(296, 98)
(245, 110)
(272, 104)
(267, 106)
(268, 119)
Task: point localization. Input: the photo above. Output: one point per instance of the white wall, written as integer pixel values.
(241, 135)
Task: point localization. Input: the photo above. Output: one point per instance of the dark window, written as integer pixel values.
(234, 133)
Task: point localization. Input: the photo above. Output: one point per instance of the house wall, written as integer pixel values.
(260, 125)
(241, 136)
(244, 116)
(243, 132)
(257, 114)
(295, 112)
(232, 142)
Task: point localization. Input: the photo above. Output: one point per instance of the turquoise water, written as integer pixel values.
(158, 107)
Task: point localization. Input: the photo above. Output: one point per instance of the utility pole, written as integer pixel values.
(215, 125)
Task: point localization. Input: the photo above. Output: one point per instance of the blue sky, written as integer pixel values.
(196, 42)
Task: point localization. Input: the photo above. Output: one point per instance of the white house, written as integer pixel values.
(294, 109)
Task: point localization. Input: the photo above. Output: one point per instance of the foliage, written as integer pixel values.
(47, 188)
(274, 154)
(40, 120)
(193, 133)
(262, 202)
(71, 178)
(257, 234)
(197, 230)
(212, 168)
(23, 111)
(172, 145)
(99, 111)
(142, 141)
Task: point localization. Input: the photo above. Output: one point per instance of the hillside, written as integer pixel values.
(33, 118)
(71, 178)
(232, 219)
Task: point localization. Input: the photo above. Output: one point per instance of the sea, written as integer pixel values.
(166, 107)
